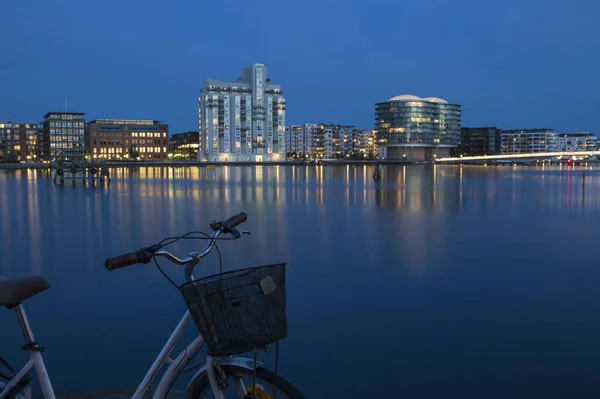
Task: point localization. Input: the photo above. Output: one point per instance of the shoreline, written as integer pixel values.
(137, 164)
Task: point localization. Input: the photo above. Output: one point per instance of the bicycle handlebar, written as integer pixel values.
(235, 220)
(145, 255)
(124, 260)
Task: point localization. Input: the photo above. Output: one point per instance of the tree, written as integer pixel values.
(12, 157)
(133, 152)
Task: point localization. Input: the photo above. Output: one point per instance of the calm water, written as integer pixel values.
(446, 281)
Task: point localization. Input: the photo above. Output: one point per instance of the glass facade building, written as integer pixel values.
(417, 129)
(63, 136)
(475, 141)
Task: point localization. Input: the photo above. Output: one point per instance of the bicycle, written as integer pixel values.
(233, 312)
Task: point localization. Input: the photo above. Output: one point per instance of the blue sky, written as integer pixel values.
(511, 64)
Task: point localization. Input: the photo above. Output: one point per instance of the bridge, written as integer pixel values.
(509, 157)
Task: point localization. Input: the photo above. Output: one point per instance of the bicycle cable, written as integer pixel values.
(187, 236)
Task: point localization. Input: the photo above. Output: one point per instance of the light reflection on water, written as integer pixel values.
(460, 279)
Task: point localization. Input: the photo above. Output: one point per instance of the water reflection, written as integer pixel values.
(369, 261)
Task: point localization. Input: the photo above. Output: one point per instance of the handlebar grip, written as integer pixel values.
(236, 220)
(122, 261)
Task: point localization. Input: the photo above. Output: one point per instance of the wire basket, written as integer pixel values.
(240, 310)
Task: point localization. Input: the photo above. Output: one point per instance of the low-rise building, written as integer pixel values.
(125, 139)
(575, 142)
(21, 138)
(298, 140)
(330, 141)
(527, 141)
(184, 145)
(476, 141)
(364, 144)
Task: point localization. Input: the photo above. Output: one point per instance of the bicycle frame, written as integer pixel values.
(176, 365)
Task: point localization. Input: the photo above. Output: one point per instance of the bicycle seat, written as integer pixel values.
(15, 290)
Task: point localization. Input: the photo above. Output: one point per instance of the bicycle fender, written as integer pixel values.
(228, 361)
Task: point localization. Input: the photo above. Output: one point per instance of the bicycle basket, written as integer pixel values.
(240, 310)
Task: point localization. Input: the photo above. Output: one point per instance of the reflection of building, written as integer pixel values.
(577, 142)
(242, 120)
(118, 139)
(63, 136)
(417, 129)
(419, 189)
(184, 145)
(20, 138)
(526, 141)
(479, 141)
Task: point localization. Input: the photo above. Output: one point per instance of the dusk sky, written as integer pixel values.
(509, 63)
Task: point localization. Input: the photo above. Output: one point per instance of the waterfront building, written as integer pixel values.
(125, 139)
(21, 138)
(184, 145)
(364, 143)
(417, 129)
(63, 136)
(574, 142)
(242, 120)
(333, 141)
(527, 141)
(476, 141)
(299, 139)
(329, 141)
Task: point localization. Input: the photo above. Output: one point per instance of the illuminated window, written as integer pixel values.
(164, 149)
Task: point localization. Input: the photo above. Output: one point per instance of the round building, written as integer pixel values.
(411, 128)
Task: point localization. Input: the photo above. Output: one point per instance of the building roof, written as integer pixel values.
(64, 113)
(435, 100)
(410, 97)
(405, 97)
(125, 122)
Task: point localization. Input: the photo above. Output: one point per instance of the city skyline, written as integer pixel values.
(508, 64)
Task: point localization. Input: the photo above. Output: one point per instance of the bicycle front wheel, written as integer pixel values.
(240, 381)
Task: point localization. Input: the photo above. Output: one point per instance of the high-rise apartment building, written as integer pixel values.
(527, 141)
(63, 136)
(123, 139)
(21, 138)
(242, 120)
(417, 129)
